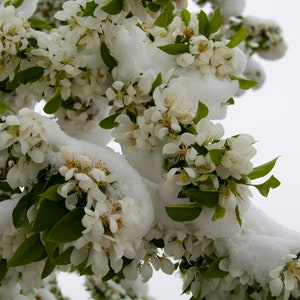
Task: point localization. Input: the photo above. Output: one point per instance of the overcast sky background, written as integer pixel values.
(271, 116)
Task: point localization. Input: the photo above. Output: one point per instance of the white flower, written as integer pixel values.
(185, 60)
(207, 132)
(182, 176)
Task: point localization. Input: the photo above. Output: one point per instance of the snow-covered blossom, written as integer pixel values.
(14, 34)
(22, 139)
(157, 122)
(265, 38)
(118, 288)
(285, 278)
(131, 217)
(230, 8)
(212, 58)
(111, 220)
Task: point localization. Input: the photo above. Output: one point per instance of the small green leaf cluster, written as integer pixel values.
(207, 27)
(26, 76)
(208, 188)
(207, 267)
(49, 230)
(15, 3)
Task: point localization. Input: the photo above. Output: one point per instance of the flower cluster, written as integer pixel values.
(264, 37)
(14, 34)
(23, 149)
(185, 147)
(212, 58)
(158, 123)
(110, 219)
(183, 191)
(285, 278)
(118, 288)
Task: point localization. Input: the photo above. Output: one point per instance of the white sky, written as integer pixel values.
(270, 114)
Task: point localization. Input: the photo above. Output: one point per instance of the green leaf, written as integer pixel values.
(205, 177)
(262, 170)
(53, 104)
(166, 17)
(232, 186)
(39, 24)
(238, 38)
(153, 7)
(202, 112)
(15, 3)
(29, 251)
(230, 101)
(69, 228)
(215, 22)
(89, 9)
(30, 75)
(48, 268)
(245, 84)
(63, 258)
(19, 214)
(51, 248)
(4, 107)
(45, 220)
(3, 268)
(265, 187)
(216, 155)
(5, 187)
(114, 7)
(12, 85)
(157, 82)
(185, 17)
(206, 198)
(184, 212)
(109, 122)
(68, 104)
(220, 212)
(238, 215)
(174, 49)
(270, 297)
(203, 24)
(214, 271)
(108, 59)
(83, 269)
(52, 194)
